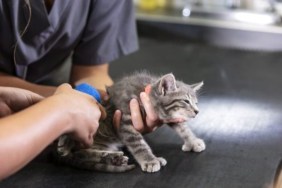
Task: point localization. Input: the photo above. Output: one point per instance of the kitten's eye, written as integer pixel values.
(186, 101)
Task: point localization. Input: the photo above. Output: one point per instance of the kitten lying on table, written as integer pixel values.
(175, 103)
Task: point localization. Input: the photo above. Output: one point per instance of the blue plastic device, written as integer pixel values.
(90, 90)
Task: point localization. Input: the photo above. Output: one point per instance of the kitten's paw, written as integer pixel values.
(162, 161)
(197, 145)
(151, 166)
(187, 147)
(116, 160)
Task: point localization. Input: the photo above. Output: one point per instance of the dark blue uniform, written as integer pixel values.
(92, 32)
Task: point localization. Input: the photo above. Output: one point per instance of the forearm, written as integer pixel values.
(12, 81)
(97, 75)
(39, 126)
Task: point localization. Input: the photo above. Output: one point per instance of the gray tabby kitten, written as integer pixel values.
(175, 103)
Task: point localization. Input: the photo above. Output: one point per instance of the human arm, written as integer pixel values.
(96, 75)
(13, 100)
(13, 81)
(25, 134)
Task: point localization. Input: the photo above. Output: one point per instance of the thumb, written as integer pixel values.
(104, 95)
(103, 111)
(117, 119)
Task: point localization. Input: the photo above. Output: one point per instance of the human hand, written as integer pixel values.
(15, 99)
(97, 76)
(84, 112)
(152, 120)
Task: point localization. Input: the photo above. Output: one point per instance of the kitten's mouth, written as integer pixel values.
(175, 120)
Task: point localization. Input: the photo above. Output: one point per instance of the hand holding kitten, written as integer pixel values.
(152, 120)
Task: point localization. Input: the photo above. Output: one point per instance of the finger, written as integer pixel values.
(33, 98)
(152, 117)
(136, 117)
(117, 119)
(104, 95)
(20, 99)
(103, 112)
(63, 87)
(89, 142)
(90, 139)
(5, 110)
(84, 140)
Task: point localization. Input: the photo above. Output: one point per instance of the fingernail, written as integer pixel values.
(155, 128)
(106, 97)
(143, 95)
(117, 112)
(134, 101)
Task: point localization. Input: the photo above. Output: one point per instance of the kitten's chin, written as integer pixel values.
(175, 120)
(192, 116)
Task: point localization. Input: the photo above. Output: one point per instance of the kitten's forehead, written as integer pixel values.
(185, 87)
(189, 97)
(188, 91)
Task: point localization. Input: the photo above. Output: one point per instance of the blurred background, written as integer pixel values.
(252, 24)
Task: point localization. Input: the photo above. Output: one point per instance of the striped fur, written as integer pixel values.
(175, 103)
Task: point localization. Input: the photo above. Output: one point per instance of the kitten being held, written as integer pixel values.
(174, 102)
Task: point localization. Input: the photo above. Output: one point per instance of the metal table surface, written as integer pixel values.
(240, 121)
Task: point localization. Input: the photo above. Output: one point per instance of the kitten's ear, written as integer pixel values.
(196, 87)
(167, 84)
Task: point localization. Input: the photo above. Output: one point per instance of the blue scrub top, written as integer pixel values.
(92, 31)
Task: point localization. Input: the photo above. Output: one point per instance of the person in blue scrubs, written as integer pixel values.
(40, 38)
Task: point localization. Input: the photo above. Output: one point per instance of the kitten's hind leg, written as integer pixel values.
(101, 156)
(191, 142)
(66, 145)
(91, 159)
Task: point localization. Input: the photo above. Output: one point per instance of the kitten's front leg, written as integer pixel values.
(191, 142)
(141, 151)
